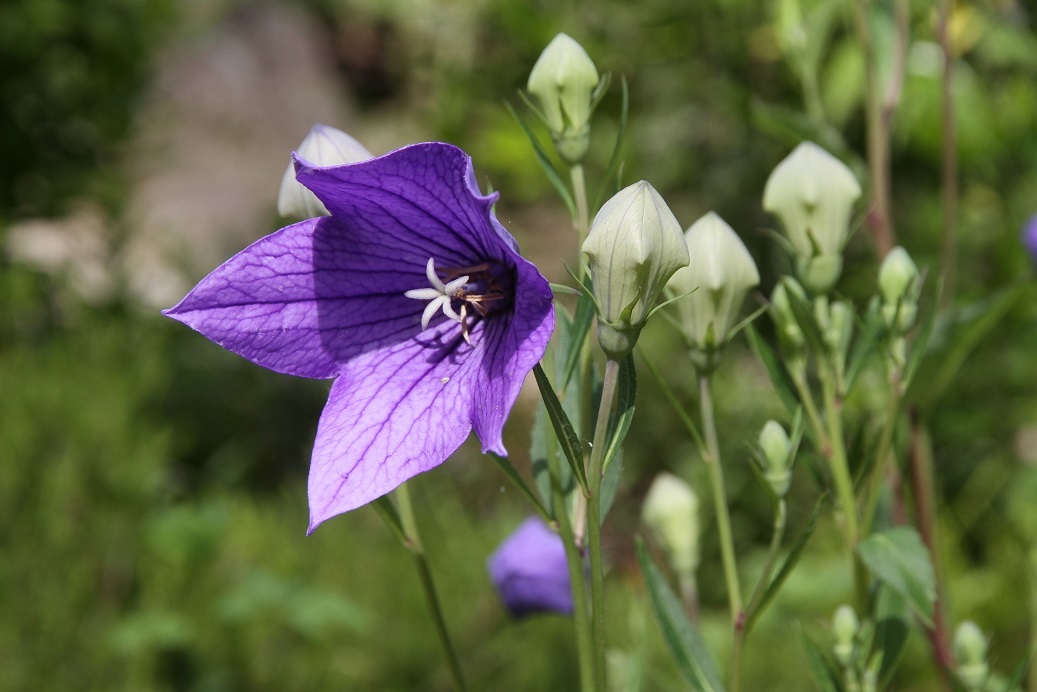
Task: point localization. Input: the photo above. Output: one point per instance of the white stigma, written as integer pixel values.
(440, 295)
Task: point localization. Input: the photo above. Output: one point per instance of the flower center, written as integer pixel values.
(469, 293)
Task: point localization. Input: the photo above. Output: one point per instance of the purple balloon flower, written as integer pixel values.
(530, 571)
(1029, 237)
(357, 296)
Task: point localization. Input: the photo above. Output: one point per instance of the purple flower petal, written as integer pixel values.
(1029, 238)
(530, 571)
(326, 298)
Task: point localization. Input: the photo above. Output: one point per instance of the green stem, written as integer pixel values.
(716, 477)
(844, 492)
(594, 476)
(778, 532)
(428, 585)
(727, 548)
(883, 453)
(580, 193)
(806, 398)
(574, 561)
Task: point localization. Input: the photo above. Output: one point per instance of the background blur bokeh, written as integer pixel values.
(152, 486)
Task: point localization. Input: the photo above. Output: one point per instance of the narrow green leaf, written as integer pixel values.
(617, 152)
(779, 376)
(892, 617)
(795, 552)
(581, 325)
(387, 511)
(516, 480)
(609, 485)
(900, 560)
(684, 642)
(542, 158)
(619, 421)
(824, 674)
(567, 437)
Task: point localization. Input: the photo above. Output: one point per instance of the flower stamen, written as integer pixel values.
(479, 289)
(440, 295)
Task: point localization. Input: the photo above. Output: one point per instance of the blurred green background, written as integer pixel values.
(152, 486)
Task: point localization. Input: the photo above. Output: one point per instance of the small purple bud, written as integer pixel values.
(531, 572)
(1029, 238)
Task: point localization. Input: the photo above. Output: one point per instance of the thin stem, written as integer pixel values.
(574, 561)
(949, 163)
(428, 585)
(883, 453)
(777, 534)
(594, 475)
(580, 193)
(806, 398)
(878, 137)
(716, 477)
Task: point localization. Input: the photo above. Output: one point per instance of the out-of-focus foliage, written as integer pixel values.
(152, 509)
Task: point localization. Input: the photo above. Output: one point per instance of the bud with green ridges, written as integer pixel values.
(719, 275)
(845, 626)
(323, 146)
(564, 82)
(812, 192)
(899, 286)
(970, 648)
(776, 454)
(790, 335)
(634, 247)
(671, 514)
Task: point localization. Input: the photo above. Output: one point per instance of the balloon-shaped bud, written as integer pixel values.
(970, 648)
(899, 286)
(776, 454)
(564, 81)
(634, 247)
(845, 626)
(323, 146)
(719, 275)
(812, 192)
(671, 514)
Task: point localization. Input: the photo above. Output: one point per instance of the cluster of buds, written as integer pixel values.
(812, 192)
(634, 246)
(565, 83)
(899, 286)
(790, 335)
(712, 287)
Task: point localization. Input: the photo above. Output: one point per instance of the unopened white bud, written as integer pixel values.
(323, 146)
(720, 272)
(634, 247)
(563, 80)
(670, 512)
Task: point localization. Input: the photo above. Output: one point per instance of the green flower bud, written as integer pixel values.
(671, 514)
(722, 271)
(634, 246)
(790, 334)
(324, 146)
(845, 626)
(776, 448)
(812, 192)
(564, 80)
(970, 648)
(898, 284)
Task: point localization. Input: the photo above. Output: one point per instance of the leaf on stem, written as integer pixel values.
(685, 644)
(619, 421)
(892, 616)
(581, 324)
(545, 163)
(779, 376)
(900, 560)
(788, 564)
(567, 437)
(824, 673)
(387, 511)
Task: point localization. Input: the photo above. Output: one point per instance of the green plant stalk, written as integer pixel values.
(844, 492)
(580, 193)
(594, 476)
(716, 478)
(810, 407)
(574, 561)
(428, 585)
(882, 452)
